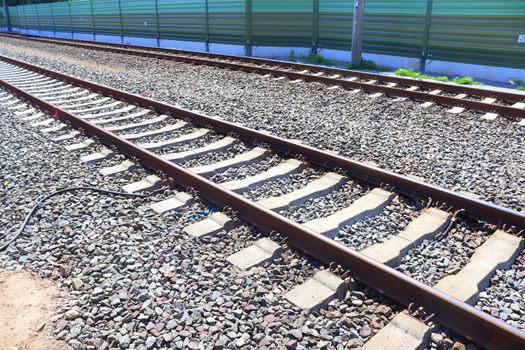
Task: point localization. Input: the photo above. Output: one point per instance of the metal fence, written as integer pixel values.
(469, 31)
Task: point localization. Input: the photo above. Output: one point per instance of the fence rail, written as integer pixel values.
(468, 31)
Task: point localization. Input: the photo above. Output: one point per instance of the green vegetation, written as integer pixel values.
(409, 72)
(520, 85)
(317, 58)
(292, 55)
(443, 78)
(521, 88)
(367, 64)
(466, 81)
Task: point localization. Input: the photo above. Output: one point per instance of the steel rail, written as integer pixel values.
(433, 85)
(483, 329)
(284, 70)
(473, 207)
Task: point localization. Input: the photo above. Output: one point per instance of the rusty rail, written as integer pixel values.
(281, 68)
(473, 207)
(482, 328)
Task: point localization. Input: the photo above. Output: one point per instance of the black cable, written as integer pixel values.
(45, 197)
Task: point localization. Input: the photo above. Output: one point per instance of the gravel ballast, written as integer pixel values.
(459, 152)
(130, 278)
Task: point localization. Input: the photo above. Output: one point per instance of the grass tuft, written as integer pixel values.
(317, 58)
(521, 88)
(466, 81)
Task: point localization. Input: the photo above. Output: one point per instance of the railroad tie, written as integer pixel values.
(146, 122)
(117, 169)
(245, 158)
(45, 122)
(97, 157)
(287, 168)
(179, 200)
(109, 113)
(93, 109)
(124, 117)
(489, 116)
(33, 117)
(402, 332)
(426, 104)
(213, 224)
(317, 188)
(375, 95)
(368, 205)
(261, 251)
(65, 137)
(150, 183)
(26, 112)
(456, 110)
(317, 291)
(497, 253)
(217, 146)
(80, 146)
(164, 130)
(153, 146)
(57, 127)
(68, 106)
(430, 222)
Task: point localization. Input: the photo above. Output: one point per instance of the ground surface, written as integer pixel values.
(27, 303)
(459, 152)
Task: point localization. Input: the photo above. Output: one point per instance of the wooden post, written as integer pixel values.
(6, 16)
(357, 32)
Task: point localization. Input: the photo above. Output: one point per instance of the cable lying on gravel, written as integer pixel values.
(45, 197)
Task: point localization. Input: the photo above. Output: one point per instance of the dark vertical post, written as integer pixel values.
(53, 19)
(6, 16)
(121, 22)
(315, 26)
(38, 18)
(158, 22)
(248, 28)
(426, 35)
(93, 20)
(207, 21)
(357, 32)
(25, 18)
(71, 20)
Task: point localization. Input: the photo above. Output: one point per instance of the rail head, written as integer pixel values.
(482, 328)
(473, 207)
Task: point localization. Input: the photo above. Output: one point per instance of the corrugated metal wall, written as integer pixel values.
(470, 31)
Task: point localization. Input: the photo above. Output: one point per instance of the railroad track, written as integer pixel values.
(491, 102)
(167, 139)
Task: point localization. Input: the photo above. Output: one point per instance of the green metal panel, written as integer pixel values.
(107, 17)
(60, 15)
(470, 31)
(479, 32)
(335, 24)
(394, 27)
(282, 23)
(139, 18)
(81, 13)
(182, 19)
(31, 17)
(227, 21)
(45, 17)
